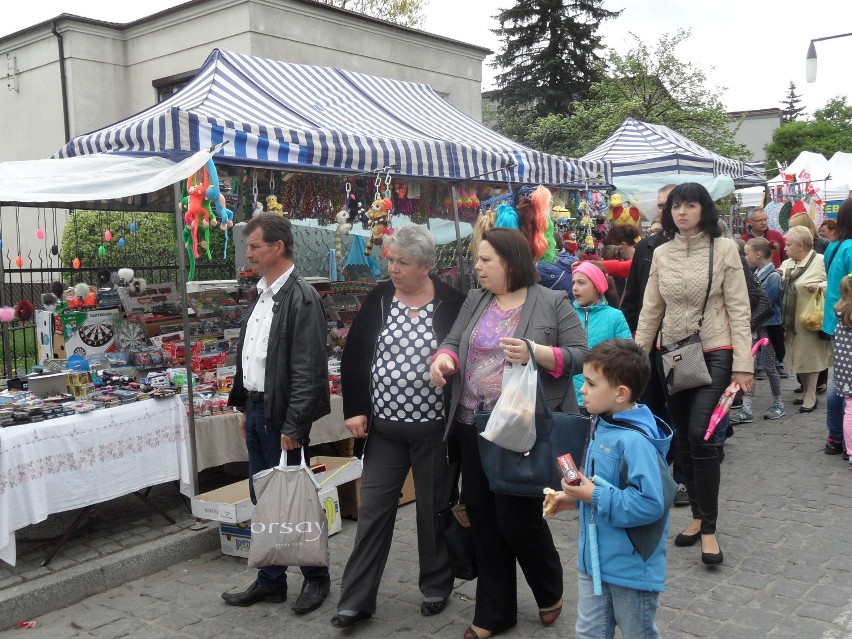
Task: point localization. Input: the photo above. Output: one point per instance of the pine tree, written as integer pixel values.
(791, 109)
(549, 57)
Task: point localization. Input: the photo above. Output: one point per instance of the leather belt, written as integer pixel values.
(254, 396)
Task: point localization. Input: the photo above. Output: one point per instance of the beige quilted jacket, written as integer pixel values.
(675, 292)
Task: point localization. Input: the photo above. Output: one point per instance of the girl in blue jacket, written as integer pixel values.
(597, 306)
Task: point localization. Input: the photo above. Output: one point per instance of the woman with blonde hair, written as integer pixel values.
(804, 220)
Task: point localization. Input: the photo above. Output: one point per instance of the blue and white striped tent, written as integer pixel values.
(639, 148)
(327, 119)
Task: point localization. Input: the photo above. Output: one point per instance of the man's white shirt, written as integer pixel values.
(257, 333)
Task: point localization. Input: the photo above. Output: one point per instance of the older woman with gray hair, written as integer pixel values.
(802, 274)
(388, 398)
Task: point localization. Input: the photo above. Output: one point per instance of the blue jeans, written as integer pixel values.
(834, 414)
(633, 611)
(264, 451)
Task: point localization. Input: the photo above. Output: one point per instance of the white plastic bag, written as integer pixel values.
(288, 526)
(512, 421)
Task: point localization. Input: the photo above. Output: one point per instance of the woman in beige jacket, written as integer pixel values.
(671, 311)
(803, 273)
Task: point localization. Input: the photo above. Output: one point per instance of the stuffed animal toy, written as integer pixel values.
(83, 296)
(273, 206)
(196, 213)
(258, 209)
(621, 214)
(127, 278)
(343, 228)
(379, 215)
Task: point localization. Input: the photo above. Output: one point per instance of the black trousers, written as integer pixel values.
(507, 529)
(690, 411)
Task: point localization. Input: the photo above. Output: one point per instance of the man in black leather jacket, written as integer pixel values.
(281, 384)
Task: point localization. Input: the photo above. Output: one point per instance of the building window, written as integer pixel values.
(167, 87)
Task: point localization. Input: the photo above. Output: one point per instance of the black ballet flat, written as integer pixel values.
(683, 540)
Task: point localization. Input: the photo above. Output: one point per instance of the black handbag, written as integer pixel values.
(557, 433)
(460, 542)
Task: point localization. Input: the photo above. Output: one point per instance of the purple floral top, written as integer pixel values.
(485, 359)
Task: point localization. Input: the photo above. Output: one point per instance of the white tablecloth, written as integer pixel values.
(218, 440)
(71, 462)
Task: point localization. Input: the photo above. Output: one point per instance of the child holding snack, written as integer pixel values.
(626, 507)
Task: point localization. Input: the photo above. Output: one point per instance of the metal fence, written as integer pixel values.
(19, 348)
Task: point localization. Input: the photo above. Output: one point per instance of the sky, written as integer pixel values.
(751, 48)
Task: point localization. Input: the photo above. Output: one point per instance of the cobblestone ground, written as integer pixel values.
(785, 521)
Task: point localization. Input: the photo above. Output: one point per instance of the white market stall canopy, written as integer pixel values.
(829, 178)
(114, 181)
(327, 119)
(639, 148)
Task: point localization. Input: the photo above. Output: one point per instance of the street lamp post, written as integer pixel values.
(811, 59)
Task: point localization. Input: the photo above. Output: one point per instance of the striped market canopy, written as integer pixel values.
(639, 148)
(328, 119)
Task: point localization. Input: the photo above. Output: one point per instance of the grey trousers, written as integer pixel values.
(392, 448)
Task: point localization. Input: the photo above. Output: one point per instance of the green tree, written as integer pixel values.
(653, 86)
(790, 106)
(153, 243)
(829, 131)
(408, 13)
(549, 53)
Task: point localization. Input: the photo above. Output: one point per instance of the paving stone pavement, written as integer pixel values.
(785, 521)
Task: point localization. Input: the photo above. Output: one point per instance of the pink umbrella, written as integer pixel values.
(727, 397)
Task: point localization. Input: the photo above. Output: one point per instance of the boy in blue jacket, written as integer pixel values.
(626, 504)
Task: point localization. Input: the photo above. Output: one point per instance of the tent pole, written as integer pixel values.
(7, 353)
(186, 339)
(459, 249)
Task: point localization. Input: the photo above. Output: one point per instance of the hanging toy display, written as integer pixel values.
(76, 263)
(19, 261)
(107, 236)
(54, 249)
(133, 227)
(379, 216)
(214, 195)
(196, 214)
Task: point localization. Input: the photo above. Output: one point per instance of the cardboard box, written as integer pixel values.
(84, 332)
(341, 470)
(350, 496)
(235, 539)
(230, 504)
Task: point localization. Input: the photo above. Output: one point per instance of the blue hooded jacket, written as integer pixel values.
(625, 450)
(601, 322)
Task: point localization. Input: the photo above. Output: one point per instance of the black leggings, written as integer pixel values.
(690, 412)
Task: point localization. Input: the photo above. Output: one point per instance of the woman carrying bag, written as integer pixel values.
(803, 276)
(697, 291)
(489, 333)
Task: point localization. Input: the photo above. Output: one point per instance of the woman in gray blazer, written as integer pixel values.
(487, 334)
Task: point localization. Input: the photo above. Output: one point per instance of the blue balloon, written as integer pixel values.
(133, 227)
(122, 242)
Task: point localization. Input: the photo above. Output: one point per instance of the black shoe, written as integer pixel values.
(253, 594)
(799, 390)
(802, 409)
(429, 608)
(821, 389)
(313, 594)
(799, 401)
(681, 497)
(683, 540)
(712, 558)
(347, 621)
(833, 447)
(845, 455)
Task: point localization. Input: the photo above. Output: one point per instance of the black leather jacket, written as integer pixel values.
(296, 380)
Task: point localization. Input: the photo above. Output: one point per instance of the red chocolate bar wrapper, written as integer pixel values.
(569, 469)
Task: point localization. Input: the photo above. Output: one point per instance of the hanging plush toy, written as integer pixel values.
(273, 206)
(196, 214)
(214, 195)
(343, 228)
(379, 215)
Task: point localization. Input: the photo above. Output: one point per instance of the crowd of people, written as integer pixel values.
(421, 359)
